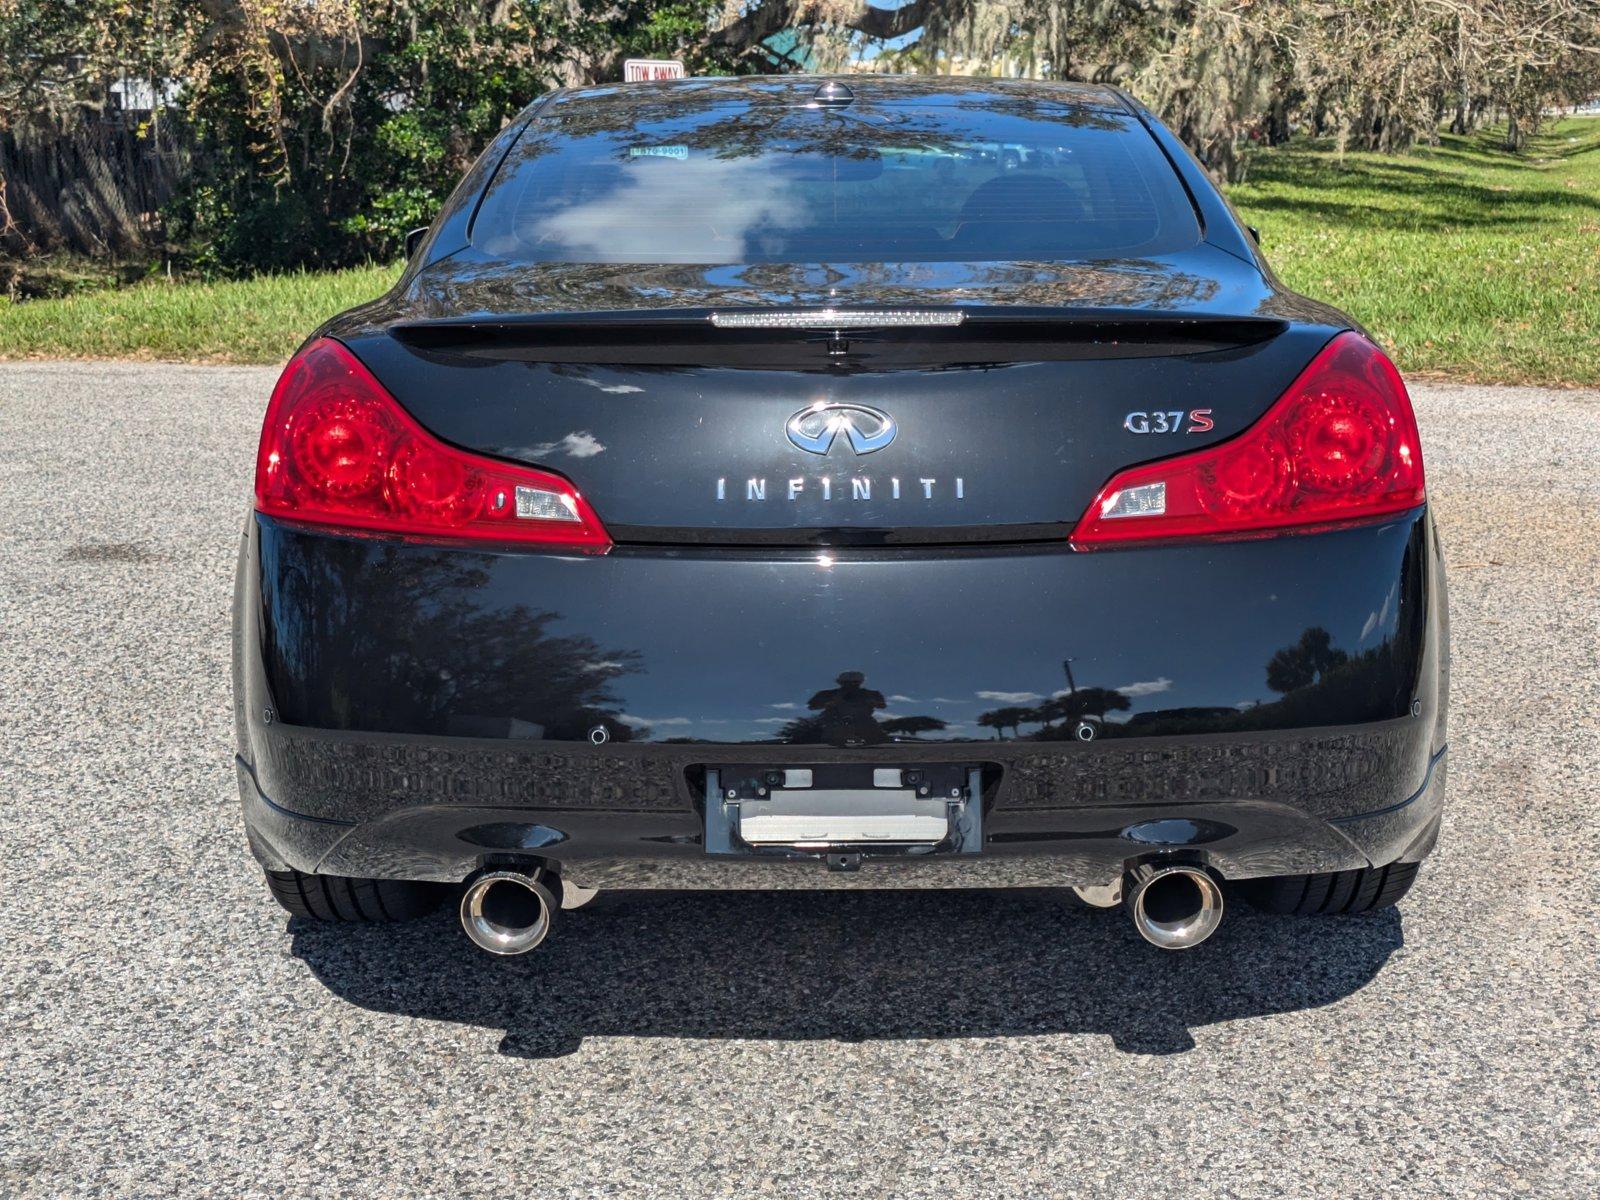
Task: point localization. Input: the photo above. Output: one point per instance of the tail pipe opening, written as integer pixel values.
(508, 912)
(1174, 905)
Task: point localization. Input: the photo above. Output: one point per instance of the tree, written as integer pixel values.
(316, 133)
(1376, 74)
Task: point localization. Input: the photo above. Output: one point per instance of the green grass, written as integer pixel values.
(257, 320)
(1465, 260)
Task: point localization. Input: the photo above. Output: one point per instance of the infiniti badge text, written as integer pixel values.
(856, 487)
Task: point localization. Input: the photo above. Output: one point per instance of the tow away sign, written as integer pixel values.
(640, 70)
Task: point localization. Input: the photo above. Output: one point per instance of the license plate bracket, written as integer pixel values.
(828, 809)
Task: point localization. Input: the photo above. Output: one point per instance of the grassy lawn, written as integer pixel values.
(1465, 260)
(257, 320)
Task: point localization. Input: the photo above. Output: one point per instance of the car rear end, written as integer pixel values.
(752, 487)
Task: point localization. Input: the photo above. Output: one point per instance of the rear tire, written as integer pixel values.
(342, 898)
(1342, 892)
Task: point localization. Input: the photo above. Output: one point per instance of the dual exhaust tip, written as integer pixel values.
(1175, 906)
(508, 912)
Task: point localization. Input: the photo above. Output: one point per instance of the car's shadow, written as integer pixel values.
(849, 965)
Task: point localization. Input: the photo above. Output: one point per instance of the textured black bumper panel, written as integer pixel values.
(381, 806)
(350, 777)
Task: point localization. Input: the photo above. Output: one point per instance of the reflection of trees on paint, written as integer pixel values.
(437, 660)
(1085, 702)
(1057, 715)
(1305, 662)
(501, 285)
(1011, 717)
(1320, 683)
(724, 120)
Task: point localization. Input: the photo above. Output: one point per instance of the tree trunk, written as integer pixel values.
(1514, 136)
(1278, 122)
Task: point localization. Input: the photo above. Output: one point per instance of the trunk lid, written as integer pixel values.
(679, 427)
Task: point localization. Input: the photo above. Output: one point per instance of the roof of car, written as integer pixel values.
(867, 88)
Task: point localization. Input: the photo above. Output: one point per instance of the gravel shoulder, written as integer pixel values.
(165, 1030)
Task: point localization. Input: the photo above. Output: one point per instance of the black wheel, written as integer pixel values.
(341, 898)
(1342, 892)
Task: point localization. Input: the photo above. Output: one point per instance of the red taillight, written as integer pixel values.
(1340, 445)
(337, 450)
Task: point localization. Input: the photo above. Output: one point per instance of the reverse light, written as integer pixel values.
(1340, 445)
(338, 450)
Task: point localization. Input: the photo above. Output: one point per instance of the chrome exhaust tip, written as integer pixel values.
(1175, 906)
(507, 912)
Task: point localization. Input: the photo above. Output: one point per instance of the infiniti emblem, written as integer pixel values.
(814, 429)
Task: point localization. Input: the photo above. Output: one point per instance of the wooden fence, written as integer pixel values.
(96, 189)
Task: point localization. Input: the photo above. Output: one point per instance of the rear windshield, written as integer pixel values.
(701, 180)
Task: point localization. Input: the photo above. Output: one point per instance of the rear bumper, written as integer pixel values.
(417, 712)
(1217, 819)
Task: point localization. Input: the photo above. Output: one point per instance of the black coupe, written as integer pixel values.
(863, 482)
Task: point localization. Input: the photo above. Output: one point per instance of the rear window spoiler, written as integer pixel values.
(808, 335)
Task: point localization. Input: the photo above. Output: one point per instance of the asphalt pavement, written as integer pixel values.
(165, 1029)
